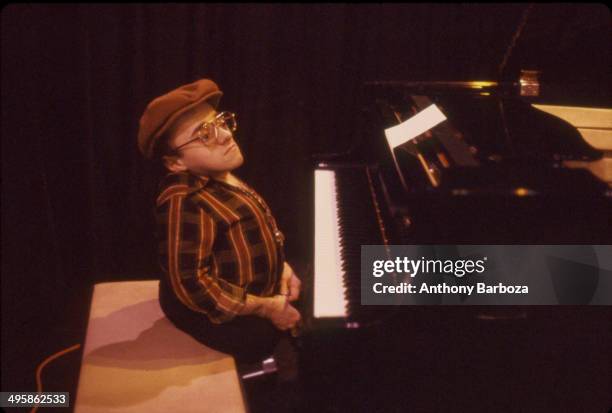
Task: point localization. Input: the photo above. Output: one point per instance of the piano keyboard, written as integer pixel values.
(345, 219)
(329, 289)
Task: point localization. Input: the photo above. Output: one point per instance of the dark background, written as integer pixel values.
(77, 196)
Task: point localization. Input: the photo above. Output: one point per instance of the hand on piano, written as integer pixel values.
(283, 315)
(290, 283)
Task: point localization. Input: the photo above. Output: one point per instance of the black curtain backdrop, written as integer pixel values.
(77, 197)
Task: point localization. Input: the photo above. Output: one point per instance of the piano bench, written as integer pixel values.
(135, 360)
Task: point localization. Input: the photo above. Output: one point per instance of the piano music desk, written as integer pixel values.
(135, 360)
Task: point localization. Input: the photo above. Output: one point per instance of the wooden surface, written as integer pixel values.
(135, 360)
(594, 124)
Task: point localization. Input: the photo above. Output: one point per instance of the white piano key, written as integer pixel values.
(329, 300)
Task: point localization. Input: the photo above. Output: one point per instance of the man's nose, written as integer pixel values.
(223, 136)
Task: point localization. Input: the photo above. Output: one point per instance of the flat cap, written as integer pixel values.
(161, 113)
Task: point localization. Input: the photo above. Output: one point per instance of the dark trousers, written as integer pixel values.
(248, 338)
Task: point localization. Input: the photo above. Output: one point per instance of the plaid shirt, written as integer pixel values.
(217, 242)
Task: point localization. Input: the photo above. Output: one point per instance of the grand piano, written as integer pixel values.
(496, 171)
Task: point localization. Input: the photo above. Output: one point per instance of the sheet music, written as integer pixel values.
(415, 126)
(411, 128)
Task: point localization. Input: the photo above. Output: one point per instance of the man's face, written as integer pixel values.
(222, 155)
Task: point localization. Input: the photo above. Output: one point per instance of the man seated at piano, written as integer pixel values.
(224, 278)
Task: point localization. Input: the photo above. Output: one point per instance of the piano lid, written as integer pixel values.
(493, 141)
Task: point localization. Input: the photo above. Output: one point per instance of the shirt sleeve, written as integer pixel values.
(186, 235)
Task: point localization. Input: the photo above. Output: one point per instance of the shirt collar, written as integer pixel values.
(185, 180)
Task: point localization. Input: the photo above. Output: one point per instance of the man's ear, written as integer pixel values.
(173, 163)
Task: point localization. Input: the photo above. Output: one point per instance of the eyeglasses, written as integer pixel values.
(208, 133)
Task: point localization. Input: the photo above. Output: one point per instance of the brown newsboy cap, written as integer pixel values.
(161, 113)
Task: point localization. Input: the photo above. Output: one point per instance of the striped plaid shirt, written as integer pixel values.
(217, 242)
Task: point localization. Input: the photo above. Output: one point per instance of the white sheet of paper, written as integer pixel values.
(415, 126)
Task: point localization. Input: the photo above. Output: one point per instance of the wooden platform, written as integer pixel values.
(135, 360)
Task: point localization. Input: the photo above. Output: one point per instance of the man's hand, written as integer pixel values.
(290, 283)
(282, 314)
